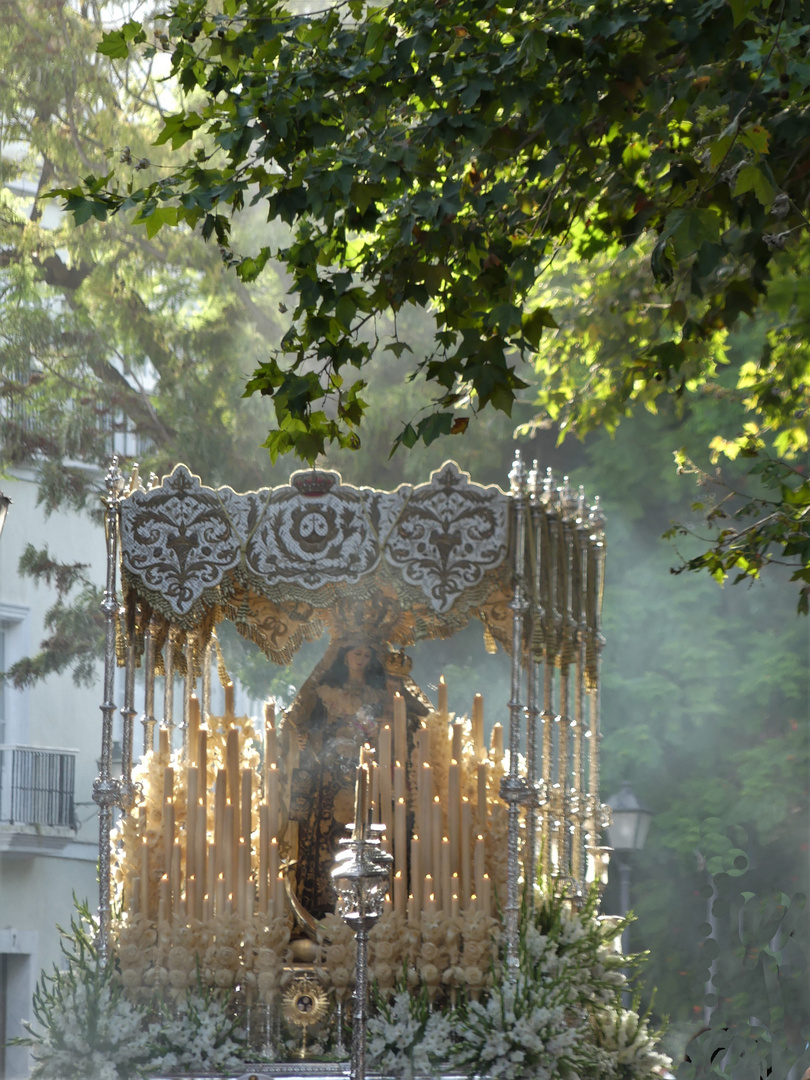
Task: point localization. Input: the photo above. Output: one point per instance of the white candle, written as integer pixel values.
(478, 727)
(400, 730)
(442, 696)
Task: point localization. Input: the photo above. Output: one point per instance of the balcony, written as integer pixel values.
(37, 813)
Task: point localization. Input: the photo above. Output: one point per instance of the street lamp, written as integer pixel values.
(5, 503)
(626, 834)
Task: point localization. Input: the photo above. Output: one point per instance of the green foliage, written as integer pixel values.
(74, 620)
(109, 339)
(756, 946)
(445, 158)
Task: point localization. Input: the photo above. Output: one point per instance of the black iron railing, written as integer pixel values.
(36, 786)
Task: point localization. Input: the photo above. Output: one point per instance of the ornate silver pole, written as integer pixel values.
(149, 688)
(188, 690)
(105, 787)
(126, 789)
(579, 555)
(548, 546)
(205, 700)
(362, 876)
(595, 643)
(566, 655)
(534, 793)
(513, 786)
(168, 687)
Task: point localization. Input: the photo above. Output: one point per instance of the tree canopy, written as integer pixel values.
(452, 157)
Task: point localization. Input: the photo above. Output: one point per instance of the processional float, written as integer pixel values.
(227, 831)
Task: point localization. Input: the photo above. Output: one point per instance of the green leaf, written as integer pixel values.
(752, 178)
(115, 43)
(535, 322)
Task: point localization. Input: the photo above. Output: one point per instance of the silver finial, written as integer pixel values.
(517, 475)
(596, 518)
(533, 482)
(568, 502)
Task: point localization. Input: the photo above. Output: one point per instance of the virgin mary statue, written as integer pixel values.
(341, 706)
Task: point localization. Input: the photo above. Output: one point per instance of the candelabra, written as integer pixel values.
(362, 877)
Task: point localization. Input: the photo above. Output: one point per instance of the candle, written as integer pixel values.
(479, 866)
(399, 782)
(211, 873)
(400, 729)
(273, 802)
(466, 852)
(423, 746)
(280, 897)
(144, 882)
(446, 876)
(168, 832)
(231, 848)
(264, 840)
(232, 768)
(400, 846)
(193, 729)
(482, 796)
(229, 701)
(416, 867)
(456, 747)
(242, 873)
(454, 906)
(486, 896)
(168, 783)
(429, 895)
(375, 792)
(220, 895)
(442, 696)
(246, 827)
(436, 846)
(454, 814)
(164, 749)
(360, 801)
(273, 870)
(497, 742)
(270, 743)
(413, 918)
(202, 761)
(220, 799)
(385, 777)
(176, 875)
(199, 851)
(478, 727)
(425, 799)
(399, 894)
(164, 902)
(192, 807)
(135, 896)
(207, 908)
(191, 897)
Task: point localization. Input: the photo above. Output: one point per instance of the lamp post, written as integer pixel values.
(626, 834)
(5, 503)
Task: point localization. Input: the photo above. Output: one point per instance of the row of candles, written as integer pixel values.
(215, 861)
(442, 865)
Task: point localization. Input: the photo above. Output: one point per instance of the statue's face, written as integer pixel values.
(357, 660)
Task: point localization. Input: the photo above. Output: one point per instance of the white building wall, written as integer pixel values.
(41, 867)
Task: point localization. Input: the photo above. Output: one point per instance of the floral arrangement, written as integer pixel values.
(85, 1027)
(558, 1015)
(453, 1004)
